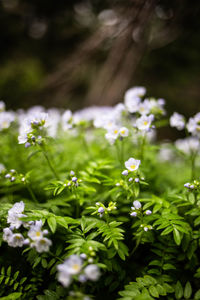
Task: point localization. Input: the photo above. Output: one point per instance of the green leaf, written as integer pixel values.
(177, 237)
(44, 263)
(167, 230)
(197, 295)
(52, 223)
(169, 267)
(178, 290)
(12, 296)
(153, 291)
(8, 271)
(187, 290)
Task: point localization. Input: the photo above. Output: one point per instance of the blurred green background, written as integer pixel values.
(73, 53)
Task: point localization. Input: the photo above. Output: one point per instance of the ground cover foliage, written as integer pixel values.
(92, 204)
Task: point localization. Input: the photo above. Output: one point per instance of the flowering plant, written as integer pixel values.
(92, 204)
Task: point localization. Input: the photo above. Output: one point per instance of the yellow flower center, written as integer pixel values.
(123, 131)
(115, 131)
(133, 167)
(76, 267)
(38, 233)
(145, 122)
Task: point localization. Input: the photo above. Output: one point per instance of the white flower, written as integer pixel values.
(15, 213)
(123, 131)
(42, 244)
(143, 123)
(134, 93)
(156, 106)
(38, 120)
(63, 276)
(73, 264)
(92, 272)
(66, 120)
(132, 164)
(70, 267)
(23, 138)
(144, 107)
(16, 240)
(188, 145)
(177, 121)
(35, 232)
(6, 118)
(132, 98)
(112, 135)
(7, 234)
(17, 208)
(132, 104)
(193, 125)
(53, 122)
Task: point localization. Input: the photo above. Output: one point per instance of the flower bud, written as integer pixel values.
(125, 173)
(133, 214)
(148, 212)
(74, 179)
(101, 210)
(27, 144)
(137, 204)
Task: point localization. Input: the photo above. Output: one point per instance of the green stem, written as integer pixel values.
(142, 146)
(137, 244)
(31, 192)
(118, 153)
(77, 204)
(193, 158)
(122, 152)
(49, 164)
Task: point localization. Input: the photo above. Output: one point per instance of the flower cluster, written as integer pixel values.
(32, 129)
(13, 176)
(137, 211)
(193, 186)
(35, 236)
(101, 209)
(75, 268)
(193, 125)
(73, 181)
(116, 132)
(189, 145)
(134, 104)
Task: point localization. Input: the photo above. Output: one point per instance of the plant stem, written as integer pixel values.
(77, 204)
(31, 192)
(49, 164)
(137, 245)
(142, 146)
(193, 158)
(122, 152)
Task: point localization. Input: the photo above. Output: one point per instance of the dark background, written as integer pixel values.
(70, 54)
